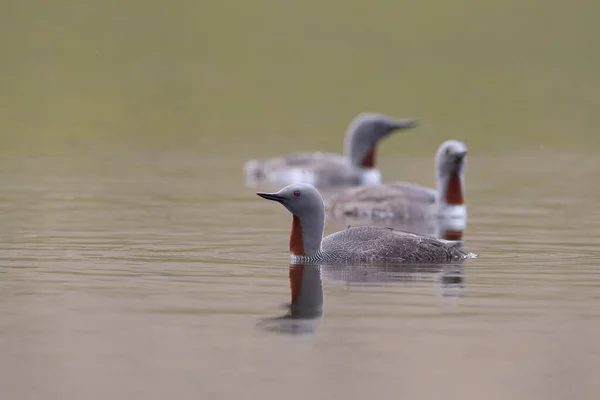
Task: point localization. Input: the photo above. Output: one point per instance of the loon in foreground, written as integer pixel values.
(355, 167)
(408, 201)
(361, 244)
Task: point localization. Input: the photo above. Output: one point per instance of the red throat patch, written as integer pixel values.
(296, 240)
(296, 273)
(453, 235)
(369, 159)
(454, 195)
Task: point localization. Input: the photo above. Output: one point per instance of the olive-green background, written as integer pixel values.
(238, 76)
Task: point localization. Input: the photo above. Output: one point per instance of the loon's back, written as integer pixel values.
(374, 243)
(399, 200)
(320, 169)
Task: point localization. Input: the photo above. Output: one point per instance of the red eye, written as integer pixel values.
(297, 193)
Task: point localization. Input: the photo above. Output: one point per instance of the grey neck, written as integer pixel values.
(358, 142)
(313, 228)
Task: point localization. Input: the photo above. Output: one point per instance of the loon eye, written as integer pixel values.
(297, 193)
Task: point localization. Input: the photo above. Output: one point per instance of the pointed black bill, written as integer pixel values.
(271, 196)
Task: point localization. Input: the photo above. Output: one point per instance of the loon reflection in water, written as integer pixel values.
(448, 278)
(306, 307)
(305, 311)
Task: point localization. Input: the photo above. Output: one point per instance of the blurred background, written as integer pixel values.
(135, 263)
(500, 75)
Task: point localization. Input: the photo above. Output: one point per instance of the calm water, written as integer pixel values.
(135, 263)
(139, 275)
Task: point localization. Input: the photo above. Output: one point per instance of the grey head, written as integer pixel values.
(363, 133)
(301, 199)
(305, 203)
(451, 162)
(451, 158)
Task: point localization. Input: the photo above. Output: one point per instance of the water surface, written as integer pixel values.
(137, 274)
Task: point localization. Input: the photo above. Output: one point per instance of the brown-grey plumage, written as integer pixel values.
(441, 228)
(371, 244)
(363, 244)
(401, 200)
(322, 169)
(354, 167)
(405, 201)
